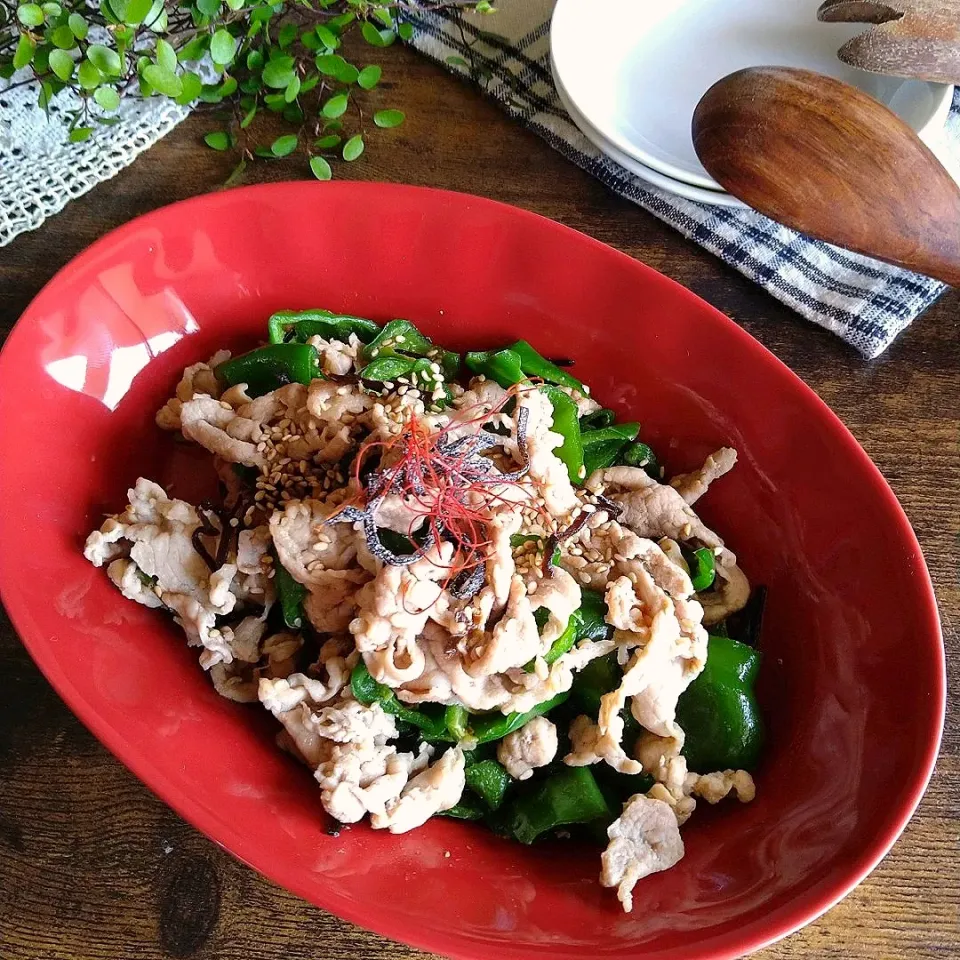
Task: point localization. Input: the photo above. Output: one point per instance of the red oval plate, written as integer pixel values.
(853, 680)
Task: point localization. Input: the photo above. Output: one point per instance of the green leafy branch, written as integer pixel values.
(243, 57)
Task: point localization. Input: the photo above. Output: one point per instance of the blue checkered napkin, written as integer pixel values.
(865, 302)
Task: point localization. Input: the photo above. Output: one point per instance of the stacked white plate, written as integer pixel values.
(631, 72)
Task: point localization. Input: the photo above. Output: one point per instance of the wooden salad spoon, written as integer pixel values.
(910, 38)
(824, 158)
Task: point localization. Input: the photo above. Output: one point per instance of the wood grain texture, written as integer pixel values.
(94, 867)
(910, 38)
(824, 158)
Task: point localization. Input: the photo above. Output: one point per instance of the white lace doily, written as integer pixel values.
(41, 171)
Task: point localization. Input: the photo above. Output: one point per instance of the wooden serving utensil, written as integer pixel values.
(911, 38)
(828, 160)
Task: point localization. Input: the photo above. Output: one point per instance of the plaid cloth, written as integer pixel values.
(865, 302)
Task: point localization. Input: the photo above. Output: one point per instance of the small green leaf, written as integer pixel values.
(328, 142)
(24, 52)
(223, 47)
(30, 14)
(236, 174)
(369, 77)
(456, 61)
(278, 73)
(293, 89)
(286, 35)
(107, 61)
(89, 76)
(228, 88)
(61, 63)
(219, 140)
(192, 86)
(108, 98)
(310, 40)
(333, 125)
(389, 118)
(309, 82)
(353, 148)
(254, 60)
(327, 37)
(384, 17)
(235, 4)
(248, 117)
(136, 11)
(292, 113)
(284, 146)
(195, 49)
(77, 25)
(166, 55)
(62, 37)
(162, 80)
(405, 30)
(335, 107)
(275, 102)
(79, 134)
(320, 168)
(51, 10)
(209, 8)
(339, 22)
(264, 152)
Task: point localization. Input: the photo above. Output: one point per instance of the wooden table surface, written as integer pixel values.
(94, 867)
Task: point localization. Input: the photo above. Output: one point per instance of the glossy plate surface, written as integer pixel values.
(853, 679)
(636, 71)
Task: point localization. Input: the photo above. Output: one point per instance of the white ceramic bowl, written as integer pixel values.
(636, 69)
(716, 195)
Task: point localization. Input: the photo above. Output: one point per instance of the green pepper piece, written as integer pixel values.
(620, 431)
(600, 456)
(455, 719)
(398, 336)
(388, 368)
(703, 568)
(598, 677)
(467, 809)
(571, 795)
(368, 691)
(566, 423)
(640, 455)
(290, 592)
(495, 726)
(534, 364)
(602, 447)
(300, 325)
(267, 368)
(597, 420)
(588, 622)
(489, 781)
(719, 712)
(501, 366)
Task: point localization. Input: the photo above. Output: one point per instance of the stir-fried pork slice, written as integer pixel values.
(731, 593)
(533, 745)
(132, 582)
(197, 379)
(644, 839)
(336, 356)
(436, 789)
(692, 486)
(217, 427)
(714, 787)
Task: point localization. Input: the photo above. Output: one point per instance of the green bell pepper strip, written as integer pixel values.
(587, 622)
(495, 726)
(467, 809)
(455, 719)
(597, 420)
(640, 455)
(489, 781)
(598, 677)
(267, 368)
(368, 691)
(390, 367)
(570, 795)
(602, 447)
(286, 325)
(534, 364)
(501, 366)
(566, 423)
(290, 593)
(719, 712)
(398, 336)
(703, 568)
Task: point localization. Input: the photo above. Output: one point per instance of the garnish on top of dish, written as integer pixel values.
(471, 596)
